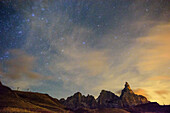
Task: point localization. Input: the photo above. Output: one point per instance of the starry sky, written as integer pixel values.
(60, 47)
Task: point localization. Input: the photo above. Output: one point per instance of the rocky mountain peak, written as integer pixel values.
(127, 85)
(104, 92)
(129, 98)
(79, 101)
(127, 89)
(107, 99)
(78, 94)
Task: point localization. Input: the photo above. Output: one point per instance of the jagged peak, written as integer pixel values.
(105, 91)
(90, 95)
(77, 94)
(127, 85)
(127, 89)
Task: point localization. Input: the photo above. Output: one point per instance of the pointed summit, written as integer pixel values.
(129, 98)
(127, 86)
(126, 90)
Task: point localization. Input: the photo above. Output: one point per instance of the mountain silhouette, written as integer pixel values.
(106, 99)
(107, 102)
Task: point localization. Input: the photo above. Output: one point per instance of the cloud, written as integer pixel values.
(20, 65)
(144, 59)
(154, 51)
(145, 64)
(23, 84)
(153, 61)
(161, 77)
(90, 62)
(143, 92)
(78, 63)
(163, 93)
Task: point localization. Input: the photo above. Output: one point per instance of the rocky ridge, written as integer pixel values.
(106, 99)
(107, 102)
(79, 101)
(129, 98)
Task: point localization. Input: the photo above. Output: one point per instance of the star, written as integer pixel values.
(33, 14)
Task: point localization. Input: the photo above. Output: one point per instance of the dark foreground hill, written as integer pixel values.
(19, 101)
(107, 102)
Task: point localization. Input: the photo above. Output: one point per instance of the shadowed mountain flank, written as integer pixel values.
(106, 99)
(79, 101)
(129, 98)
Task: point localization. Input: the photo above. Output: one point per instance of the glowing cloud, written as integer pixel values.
(20, 65)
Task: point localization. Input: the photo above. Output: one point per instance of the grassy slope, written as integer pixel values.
(42, 100)
(18, 100)
(9, 103)
(105, 110)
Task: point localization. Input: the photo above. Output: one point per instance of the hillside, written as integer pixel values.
(107, 102)
(27, 101)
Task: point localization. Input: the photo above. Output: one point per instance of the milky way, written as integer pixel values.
(63, 46)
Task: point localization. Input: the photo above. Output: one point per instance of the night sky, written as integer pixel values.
(60, 47)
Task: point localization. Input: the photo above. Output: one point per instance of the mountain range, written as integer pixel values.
(107, 102)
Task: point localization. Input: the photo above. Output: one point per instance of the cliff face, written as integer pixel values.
(108, 99)
(79, 101)
(129, 98)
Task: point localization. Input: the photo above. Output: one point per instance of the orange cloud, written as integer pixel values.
(161, 77)
(154, 50)
(20, 65)
(162, 92)
(153, 61)
(143, 92)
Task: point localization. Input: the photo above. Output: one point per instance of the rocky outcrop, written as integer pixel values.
(129, 98)
(79, 101)
(107, 102)
(108, 99)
